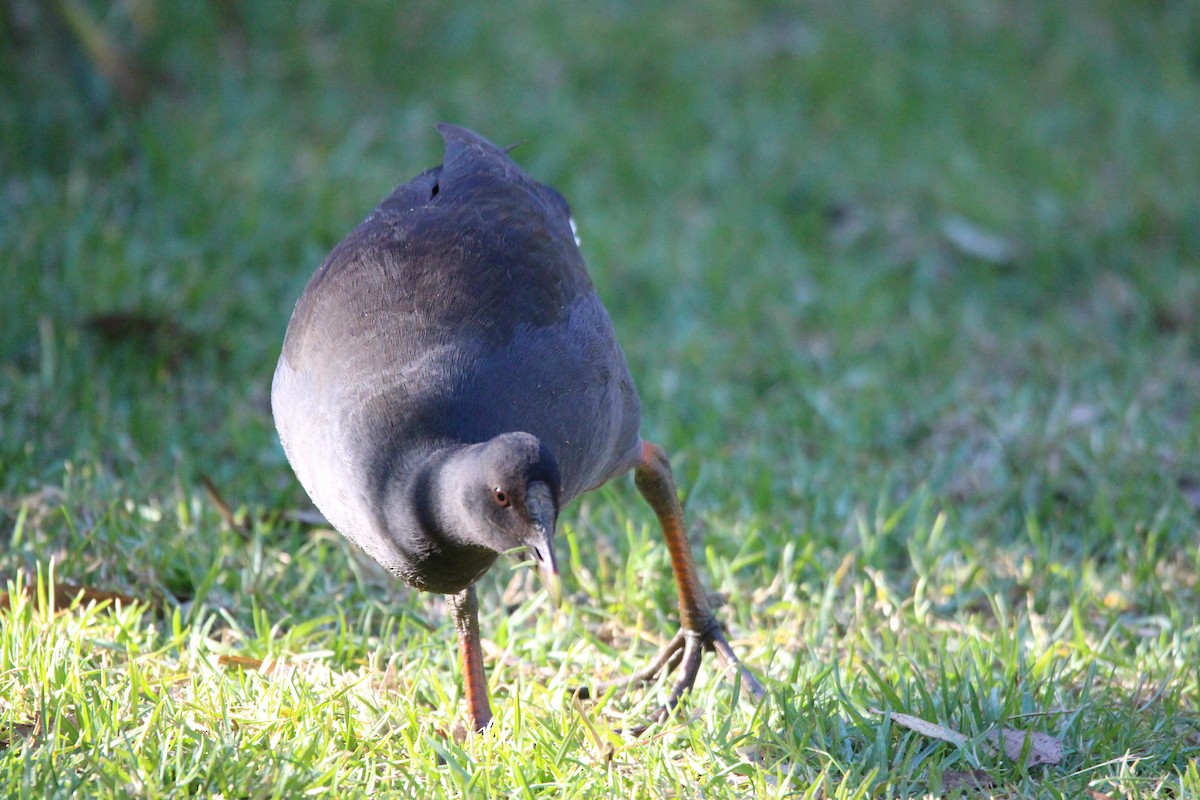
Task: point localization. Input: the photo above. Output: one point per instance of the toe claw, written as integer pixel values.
(749, 682)
(685, 652)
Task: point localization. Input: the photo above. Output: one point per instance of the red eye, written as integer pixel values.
(501, 497)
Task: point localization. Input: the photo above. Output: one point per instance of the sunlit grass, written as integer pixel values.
(928, 480)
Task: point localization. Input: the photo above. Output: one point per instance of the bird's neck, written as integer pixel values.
(423, 517)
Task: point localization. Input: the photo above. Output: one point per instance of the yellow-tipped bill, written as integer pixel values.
(543, 514)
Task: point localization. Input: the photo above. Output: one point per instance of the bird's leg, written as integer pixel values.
(465, 609)
(700, 630)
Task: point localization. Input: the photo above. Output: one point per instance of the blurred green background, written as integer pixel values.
(764, 191)
(875, 264)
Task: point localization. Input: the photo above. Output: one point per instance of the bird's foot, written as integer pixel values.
(684, 652)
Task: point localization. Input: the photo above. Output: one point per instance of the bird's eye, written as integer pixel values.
(501, 497)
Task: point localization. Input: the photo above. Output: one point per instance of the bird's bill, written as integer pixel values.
(543, 514)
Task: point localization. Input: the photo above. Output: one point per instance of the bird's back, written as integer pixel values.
(458, 310)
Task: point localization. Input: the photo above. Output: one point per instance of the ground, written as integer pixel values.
(911, 297)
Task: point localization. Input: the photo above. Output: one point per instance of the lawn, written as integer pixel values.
(911, 295)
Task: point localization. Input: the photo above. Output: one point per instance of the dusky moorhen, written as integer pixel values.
(450, 380)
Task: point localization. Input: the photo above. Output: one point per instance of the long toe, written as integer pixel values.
(667, 660)
(684, 652)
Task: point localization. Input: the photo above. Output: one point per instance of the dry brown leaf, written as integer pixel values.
(19, 730)
(245, 662)
(64, 594)
(1095, 795)
(924, 727)
(460, 733)
(1043, 748)
(968, 779)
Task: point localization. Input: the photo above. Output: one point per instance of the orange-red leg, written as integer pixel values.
(465, 609)
(700, 630)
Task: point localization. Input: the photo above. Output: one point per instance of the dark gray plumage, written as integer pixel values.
(425, 332)
(449, 380)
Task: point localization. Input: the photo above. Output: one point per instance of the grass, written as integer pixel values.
(930, 479)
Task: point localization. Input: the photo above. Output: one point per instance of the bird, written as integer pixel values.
(449, 380)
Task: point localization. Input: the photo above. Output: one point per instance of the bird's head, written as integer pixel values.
(510, 490)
